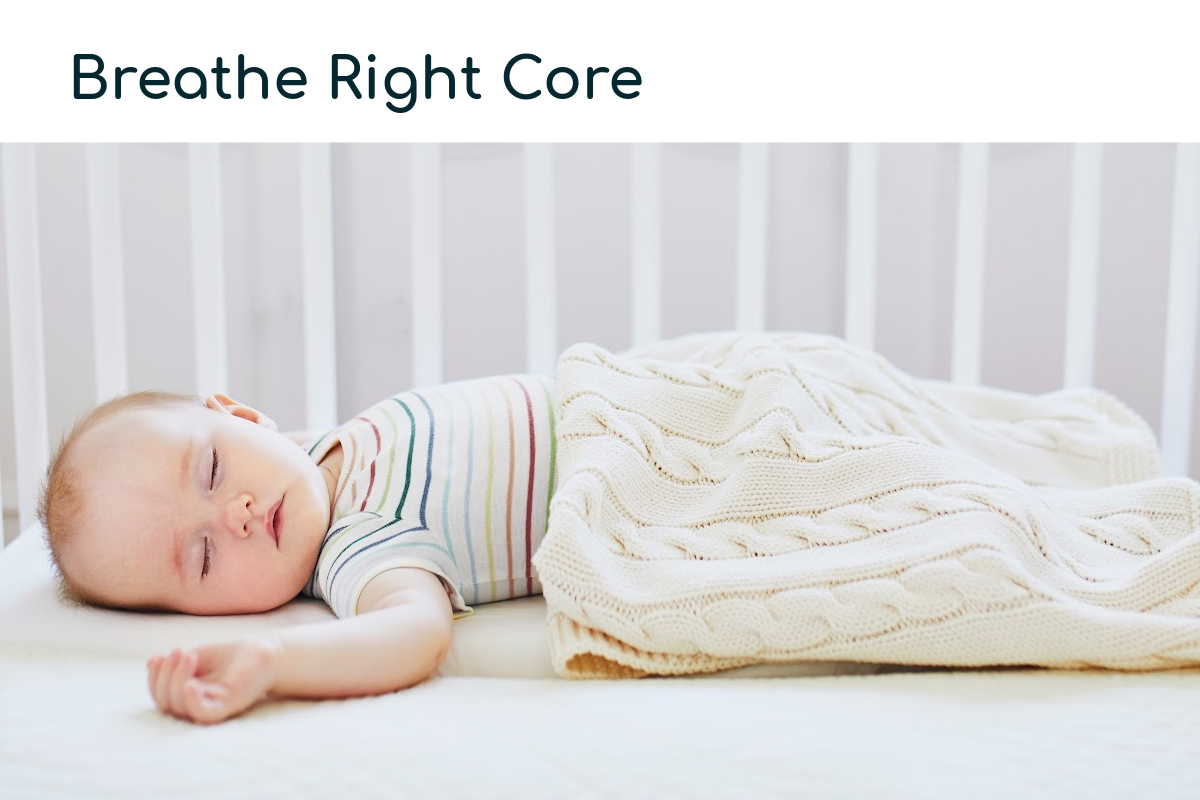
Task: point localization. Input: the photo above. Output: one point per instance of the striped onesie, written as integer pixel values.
(455, 479)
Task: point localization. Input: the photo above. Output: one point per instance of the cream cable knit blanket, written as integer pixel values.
(725, 499)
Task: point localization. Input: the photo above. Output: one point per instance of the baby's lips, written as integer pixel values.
(273, 521)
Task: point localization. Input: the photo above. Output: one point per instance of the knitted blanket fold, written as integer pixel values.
(728, 499)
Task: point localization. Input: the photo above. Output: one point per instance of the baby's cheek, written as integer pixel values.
(270, 588)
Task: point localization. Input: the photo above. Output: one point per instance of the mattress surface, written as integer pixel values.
(500, 640)
(72, 732)
(76, 720)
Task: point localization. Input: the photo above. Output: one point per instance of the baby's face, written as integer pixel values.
(196, 510)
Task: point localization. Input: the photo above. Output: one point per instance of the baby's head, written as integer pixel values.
(169, 502)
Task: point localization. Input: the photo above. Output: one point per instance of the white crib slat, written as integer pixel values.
(1180, 357)
(208, 268)
(1082, 264)
(427, 334)
(646, 277)
(541, 338)
(967, 345)
(31, 430)
(751, 295)
(862, 204)
(320, 335)
(108, 277)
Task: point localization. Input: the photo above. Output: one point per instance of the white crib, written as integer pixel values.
(289, 273)
(281, 272)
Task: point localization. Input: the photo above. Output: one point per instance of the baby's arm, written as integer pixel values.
(400, 636)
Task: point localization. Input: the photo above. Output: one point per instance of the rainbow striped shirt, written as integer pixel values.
(455, 479)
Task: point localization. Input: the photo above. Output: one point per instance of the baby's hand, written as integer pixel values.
(214, 682)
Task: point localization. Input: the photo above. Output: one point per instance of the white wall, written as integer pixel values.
(484, 255)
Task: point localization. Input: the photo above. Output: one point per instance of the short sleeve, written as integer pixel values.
(363, 545)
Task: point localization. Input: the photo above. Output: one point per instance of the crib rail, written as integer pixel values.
(25, 318)
(1179, 374)
(967, 344)
(28, 433)
(108, 277)
(316, 211)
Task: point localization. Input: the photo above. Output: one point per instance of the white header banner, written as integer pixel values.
(615, 70)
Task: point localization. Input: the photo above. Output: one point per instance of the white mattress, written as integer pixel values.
(76, 720)
(500, 640)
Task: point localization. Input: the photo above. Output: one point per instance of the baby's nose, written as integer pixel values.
(238, 514)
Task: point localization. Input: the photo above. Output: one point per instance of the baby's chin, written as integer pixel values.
(318, 491)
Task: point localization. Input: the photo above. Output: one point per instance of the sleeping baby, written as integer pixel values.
(719, 500)
(399, 519)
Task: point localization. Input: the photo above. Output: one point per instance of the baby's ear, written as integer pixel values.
(227, 405)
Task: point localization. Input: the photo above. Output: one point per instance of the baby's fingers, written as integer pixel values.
(205, 703)
(153, 667)
(184, 670)
(162, 681)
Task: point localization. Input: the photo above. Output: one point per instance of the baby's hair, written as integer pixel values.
(60, 503)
